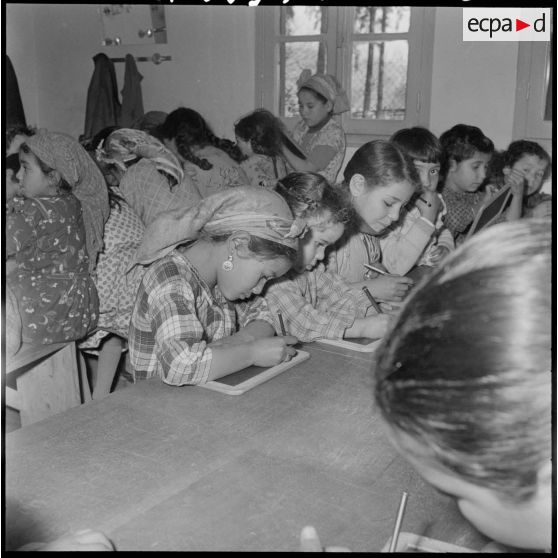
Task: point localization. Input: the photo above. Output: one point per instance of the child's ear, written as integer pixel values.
(329, 106)
(452, 165)
(357, 185)
(54, 178)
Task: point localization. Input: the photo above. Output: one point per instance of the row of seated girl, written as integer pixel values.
(207, 279)
(147, 177)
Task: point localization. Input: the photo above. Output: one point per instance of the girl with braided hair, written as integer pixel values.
(316, 303)
(211, 162)
(259, 136)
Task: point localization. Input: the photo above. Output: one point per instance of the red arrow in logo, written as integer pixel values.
(519, 25)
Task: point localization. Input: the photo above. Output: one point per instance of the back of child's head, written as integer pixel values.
(381, 163)
(17, 130)
(465, 371)
(190, 130)
(462, 142)
(263, 130)
(312, 198)
(419, 143)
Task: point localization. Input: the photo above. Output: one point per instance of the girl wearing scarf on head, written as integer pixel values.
(195, 318)
(55, 233)
(319, 135)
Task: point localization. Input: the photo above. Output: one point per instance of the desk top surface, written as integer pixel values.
(157, 467)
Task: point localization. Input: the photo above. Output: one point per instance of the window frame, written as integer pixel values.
(339, 40)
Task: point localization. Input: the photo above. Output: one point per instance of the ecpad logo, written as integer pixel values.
(506, 24)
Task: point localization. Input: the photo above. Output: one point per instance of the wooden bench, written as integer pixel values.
(43, 380)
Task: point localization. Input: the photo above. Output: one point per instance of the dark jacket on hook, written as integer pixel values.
(103, 107)
(132, 100)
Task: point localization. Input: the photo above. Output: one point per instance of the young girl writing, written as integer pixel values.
(525, 164)
(473, 413)
(315, 303)
(320, 136)
(211, 162)
(56, 296)
(259, 137)
(380, 180)
(184, 323)
(419, 238)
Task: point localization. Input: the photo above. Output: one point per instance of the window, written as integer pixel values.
(381, 54)
(534, 93)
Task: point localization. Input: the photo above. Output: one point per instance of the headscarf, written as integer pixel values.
(255, 210)
(64, 154)
(327, 86)
(126, 144)
(150, 121)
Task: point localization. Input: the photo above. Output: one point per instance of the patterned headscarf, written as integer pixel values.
(127, 144)
(64, 154)
(327, 86)
(257, 211)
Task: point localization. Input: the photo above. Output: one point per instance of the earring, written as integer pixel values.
(227, 265)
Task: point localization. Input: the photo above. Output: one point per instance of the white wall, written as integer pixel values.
(212, 68)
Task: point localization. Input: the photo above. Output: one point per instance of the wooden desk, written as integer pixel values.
(42, 380)
(165, 468)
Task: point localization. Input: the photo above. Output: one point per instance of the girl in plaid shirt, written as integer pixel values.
(316, 303)
(185, 327)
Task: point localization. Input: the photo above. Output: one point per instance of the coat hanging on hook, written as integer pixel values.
(132, 100)
(103, 106)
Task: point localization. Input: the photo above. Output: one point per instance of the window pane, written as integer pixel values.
(379, 79)
(303, 20)
(293, 58)
(382, 19)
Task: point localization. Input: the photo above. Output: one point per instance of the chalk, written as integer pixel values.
(376, 269)
(372, 301)
(398, 522)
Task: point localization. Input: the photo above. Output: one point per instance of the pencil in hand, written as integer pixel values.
(282, 324)
(372, 301)
(376, 269)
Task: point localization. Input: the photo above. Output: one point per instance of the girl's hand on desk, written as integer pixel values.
(374, 326)
(273, 350)
(310, 542)
(389, 287)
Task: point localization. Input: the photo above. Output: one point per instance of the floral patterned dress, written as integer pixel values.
(263, 170)
(56, 295)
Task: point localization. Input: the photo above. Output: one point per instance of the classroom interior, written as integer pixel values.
(244, 472)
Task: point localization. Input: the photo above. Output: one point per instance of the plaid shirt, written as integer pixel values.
(315, 304)
(460, 210)
(176, 317)
(148, 192)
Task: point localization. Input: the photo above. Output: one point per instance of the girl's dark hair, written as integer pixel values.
(16, 130)
(189, 129)
(465, 371)
(460, 143)
(263, 130)
(62, 186)
(419, 143)
(381, 163)
(318, 96)
(311, 196)
(262, 248)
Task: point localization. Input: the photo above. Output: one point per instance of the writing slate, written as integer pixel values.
(490, 211)
(361, 344)
(240, 382)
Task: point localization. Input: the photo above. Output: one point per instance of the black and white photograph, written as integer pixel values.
(279, 278)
